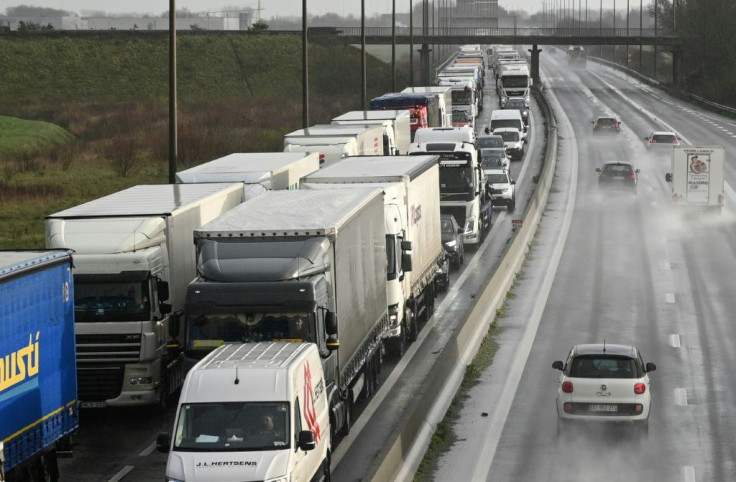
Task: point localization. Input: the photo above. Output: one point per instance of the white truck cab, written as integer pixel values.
(251, 411)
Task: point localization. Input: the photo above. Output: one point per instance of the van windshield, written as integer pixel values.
(232, 426)
(499, 123)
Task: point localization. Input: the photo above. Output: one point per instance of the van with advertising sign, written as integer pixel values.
(697, 176)
(252, 411)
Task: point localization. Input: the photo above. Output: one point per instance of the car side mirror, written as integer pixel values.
(460, 231)
(513, 182)
(163, 442)
(557, 365)
(306, 441)
(668, 177)
(646, 138)
(597, 169)
(637, 171)
(650, 367)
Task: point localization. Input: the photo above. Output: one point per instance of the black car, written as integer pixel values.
(619, 174)
(452, 239)
(606, 124)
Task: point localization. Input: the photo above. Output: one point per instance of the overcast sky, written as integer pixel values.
(271, 8)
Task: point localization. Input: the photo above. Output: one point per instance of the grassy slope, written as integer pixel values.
(106, 73)
(18, 135)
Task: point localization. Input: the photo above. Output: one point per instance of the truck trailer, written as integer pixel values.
(258, 171)
(413, 236)
(397, 126)
(334, 142)
(38, 382)
(299, 265)
(445, 99)
(133, 259)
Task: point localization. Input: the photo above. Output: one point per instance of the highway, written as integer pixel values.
(625, 268)
(635, 269)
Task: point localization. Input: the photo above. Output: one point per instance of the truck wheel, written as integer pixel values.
(348, 424)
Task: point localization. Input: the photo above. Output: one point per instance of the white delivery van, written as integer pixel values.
(251, 411)
(508, 118)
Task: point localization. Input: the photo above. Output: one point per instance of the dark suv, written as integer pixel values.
(606, 124)
(619, 174)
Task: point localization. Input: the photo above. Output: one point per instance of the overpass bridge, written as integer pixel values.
(534, 36)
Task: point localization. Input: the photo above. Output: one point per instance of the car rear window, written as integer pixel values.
(602, 366)
(664, 138)
(606, 121)
(510, 136)
(618, 169)
(491, 141)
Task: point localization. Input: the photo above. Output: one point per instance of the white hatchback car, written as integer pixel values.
(604, 383)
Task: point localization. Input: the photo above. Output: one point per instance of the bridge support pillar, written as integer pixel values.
(676, 68)
(535, 63)
(424, 63)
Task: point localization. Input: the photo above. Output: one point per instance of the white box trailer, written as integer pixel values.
(400, 121)
(134, 257)
(445, 98)
(252, 401)
(285, 256)
(697, 175)
(258, 171)
(333, 142)
(414, 241)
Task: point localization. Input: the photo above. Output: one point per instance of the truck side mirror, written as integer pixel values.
(330, 323)
(406, 246)
(163, 442)
(305, 440)
(163, 290)
(668, 177)
(406, 263)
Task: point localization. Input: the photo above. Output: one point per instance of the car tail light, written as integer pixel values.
(652, 141)
(640, 388)
(595, 125)
(632, 176)
(321, 159)
(676, 141)
(567, 387)
(604, 175)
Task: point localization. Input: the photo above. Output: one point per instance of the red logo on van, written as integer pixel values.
(310, 412)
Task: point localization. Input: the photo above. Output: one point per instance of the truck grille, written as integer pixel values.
(99, 383)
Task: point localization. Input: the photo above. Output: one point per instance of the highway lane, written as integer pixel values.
(635, 269)
(119, 444)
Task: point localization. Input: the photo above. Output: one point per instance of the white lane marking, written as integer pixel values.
(675, 340)
(119, 476)
(669, 297)
(689, 473)
(148, 450)
(681, 397)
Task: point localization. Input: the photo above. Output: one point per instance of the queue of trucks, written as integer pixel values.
(175, 283)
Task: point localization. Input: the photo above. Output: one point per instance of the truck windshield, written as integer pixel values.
(232, 426)
(207, 331)
(462, 97)
(516, 81)
(456, 180)
(128, 301)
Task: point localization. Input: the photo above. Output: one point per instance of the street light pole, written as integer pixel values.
(305, 68)
(173, 142)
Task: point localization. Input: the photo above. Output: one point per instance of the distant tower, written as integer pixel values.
(476, 14)
(258, 12)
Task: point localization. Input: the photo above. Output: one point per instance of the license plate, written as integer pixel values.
(618, 178)
(603, 408)
(92, 404)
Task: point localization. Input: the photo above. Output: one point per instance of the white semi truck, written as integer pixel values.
(396, 125)
(334, 142)
(258, 171)
(413, 237)
(463, 191)
(697, 176)
(133, 257)
(300, 265)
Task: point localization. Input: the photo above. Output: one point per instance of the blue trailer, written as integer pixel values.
(38, 381)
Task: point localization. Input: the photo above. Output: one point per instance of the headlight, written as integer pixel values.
(469, 225)
(283, 478)
(451, 244)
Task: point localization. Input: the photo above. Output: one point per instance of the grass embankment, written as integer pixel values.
(105, 95)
